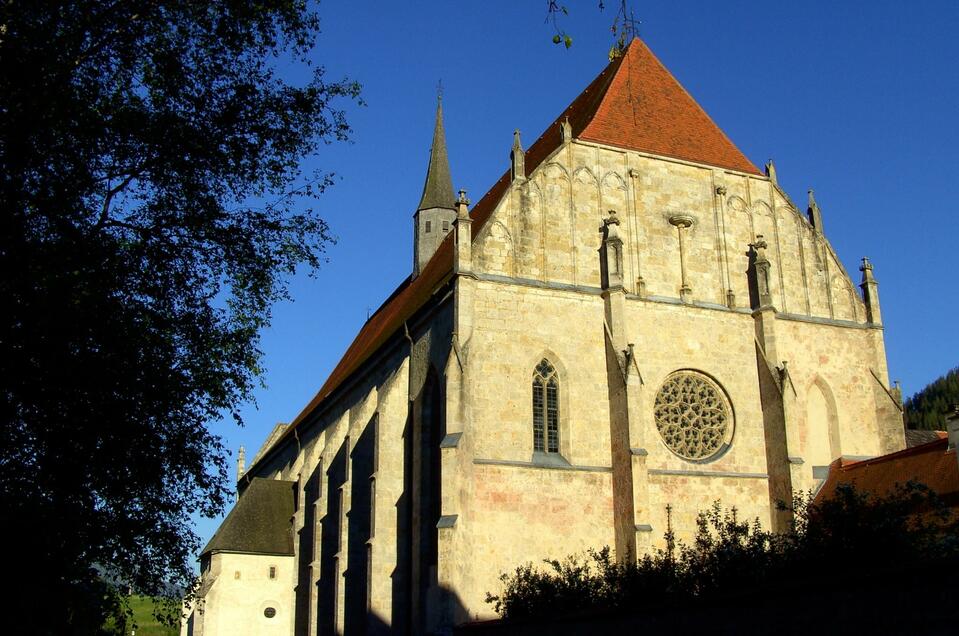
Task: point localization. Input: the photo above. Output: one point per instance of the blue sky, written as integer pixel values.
(856, 99)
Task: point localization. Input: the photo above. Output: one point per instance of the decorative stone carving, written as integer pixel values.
(611, 263)
(682, 222)
(693, 415)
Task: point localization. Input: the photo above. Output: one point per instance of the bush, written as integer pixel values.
(851, 531)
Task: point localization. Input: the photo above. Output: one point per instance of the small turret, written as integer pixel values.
(518, 158)
(814, 213)
(870, 292)
(435, 214)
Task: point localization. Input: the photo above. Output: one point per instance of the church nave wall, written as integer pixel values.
(515, 327)
(830, 368)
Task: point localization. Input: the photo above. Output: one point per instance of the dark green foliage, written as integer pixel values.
(151, 211)
(851, 532)
(927, 409)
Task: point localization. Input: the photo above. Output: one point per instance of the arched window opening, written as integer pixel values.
(545, 408)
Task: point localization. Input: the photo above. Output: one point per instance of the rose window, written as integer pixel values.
(693, 415)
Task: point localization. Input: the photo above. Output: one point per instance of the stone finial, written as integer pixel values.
(518, 158)
(240, 463)
(771, 171)
(870, 292)
(814, 213)
(462, 205)
(567, 131)
(463, 241)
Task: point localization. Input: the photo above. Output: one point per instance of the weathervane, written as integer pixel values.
(439, 90)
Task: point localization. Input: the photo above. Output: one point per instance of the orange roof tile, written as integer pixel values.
(934, 464)
(397, 309)
(633, 103)
(644, 108)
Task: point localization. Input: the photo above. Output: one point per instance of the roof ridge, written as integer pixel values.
(906, 452)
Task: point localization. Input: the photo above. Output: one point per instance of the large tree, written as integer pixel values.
(153, 208)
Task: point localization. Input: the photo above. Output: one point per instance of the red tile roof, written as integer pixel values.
(633, 103)
(397, 309)
(934, 464)
(644, 108)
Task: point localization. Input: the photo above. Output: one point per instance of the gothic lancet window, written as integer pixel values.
(545, 408)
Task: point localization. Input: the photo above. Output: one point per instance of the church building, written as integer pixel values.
(633, 322)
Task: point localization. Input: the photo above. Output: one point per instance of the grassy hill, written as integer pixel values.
(146, 624)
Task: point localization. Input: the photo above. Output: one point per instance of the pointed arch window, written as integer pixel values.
(545, 408)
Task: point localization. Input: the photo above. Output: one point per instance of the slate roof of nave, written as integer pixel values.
(634, 103)
(259, 523)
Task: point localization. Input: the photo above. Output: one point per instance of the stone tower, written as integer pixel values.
(435, 213)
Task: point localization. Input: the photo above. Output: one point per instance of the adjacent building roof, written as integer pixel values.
(259, 522)
(438, 189)
(933, 464)
(633, 103)
(916, 438)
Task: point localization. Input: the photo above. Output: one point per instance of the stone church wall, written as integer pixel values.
(451, 395)
(519, 508)
(353, 464)
(547, 229)
(720, 344)
(241, 593)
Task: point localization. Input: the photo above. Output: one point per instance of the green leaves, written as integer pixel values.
(927, 409)
(153, 207)
(850, 532)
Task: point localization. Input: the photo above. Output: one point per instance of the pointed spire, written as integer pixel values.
(438, 189)
(815, 214)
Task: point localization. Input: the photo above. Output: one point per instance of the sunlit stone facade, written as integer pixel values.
(613, 329)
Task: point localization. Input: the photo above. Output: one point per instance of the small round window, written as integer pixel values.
(269, 612)
(693, 415)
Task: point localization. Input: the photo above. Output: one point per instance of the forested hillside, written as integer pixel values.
(928, 408)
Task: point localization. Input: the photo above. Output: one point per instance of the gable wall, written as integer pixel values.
(548, 229)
